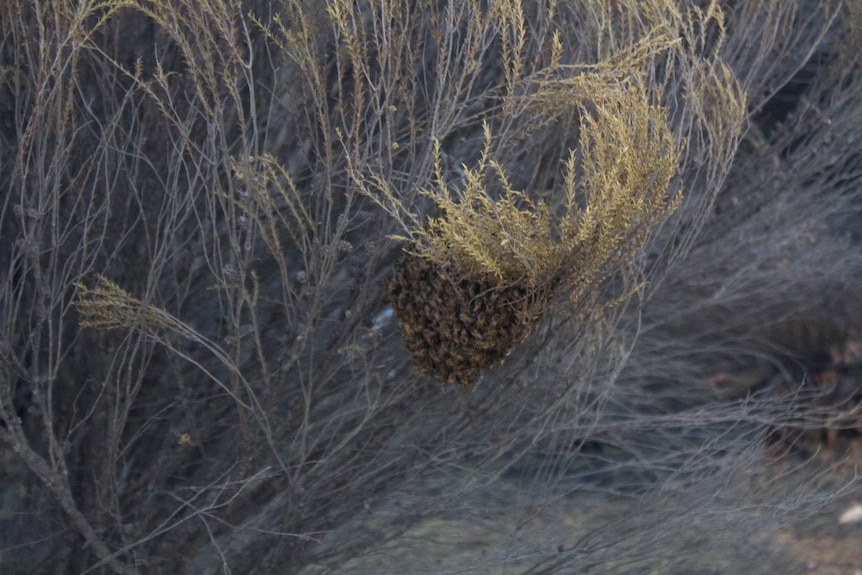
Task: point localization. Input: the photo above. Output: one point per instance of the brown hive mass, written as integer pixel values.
(456, 327)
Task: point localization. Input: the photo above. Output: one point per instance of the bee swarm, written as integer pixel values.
(456, 327)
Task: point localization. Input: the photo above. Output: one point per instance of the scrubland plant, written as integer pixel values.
(510, 246)
(213, 212)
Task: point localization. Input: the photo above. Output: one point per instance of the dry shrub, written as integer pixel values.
(201, 210)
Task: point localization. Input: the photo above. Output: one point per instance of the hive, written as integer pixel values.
(456, 327)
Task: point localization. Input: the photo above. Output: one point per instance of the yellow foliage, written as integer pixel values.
(615, 192)
(615, 186)
(509, 238)
(107, 305)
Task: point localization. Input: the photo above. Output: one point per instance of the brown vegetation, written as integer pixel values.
(212, 213)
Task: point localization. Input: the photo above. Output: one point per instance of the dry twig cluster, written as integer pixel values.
(211, 212)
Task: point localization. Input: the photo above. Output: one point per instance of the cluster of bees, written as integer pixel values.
(456, 327)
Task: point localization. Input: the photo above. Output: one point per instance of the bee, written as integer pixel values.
(185, 439)
(481, 320)
(408, 329)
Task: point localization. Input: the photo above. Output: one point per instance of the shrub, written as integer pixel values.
(212, 211)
